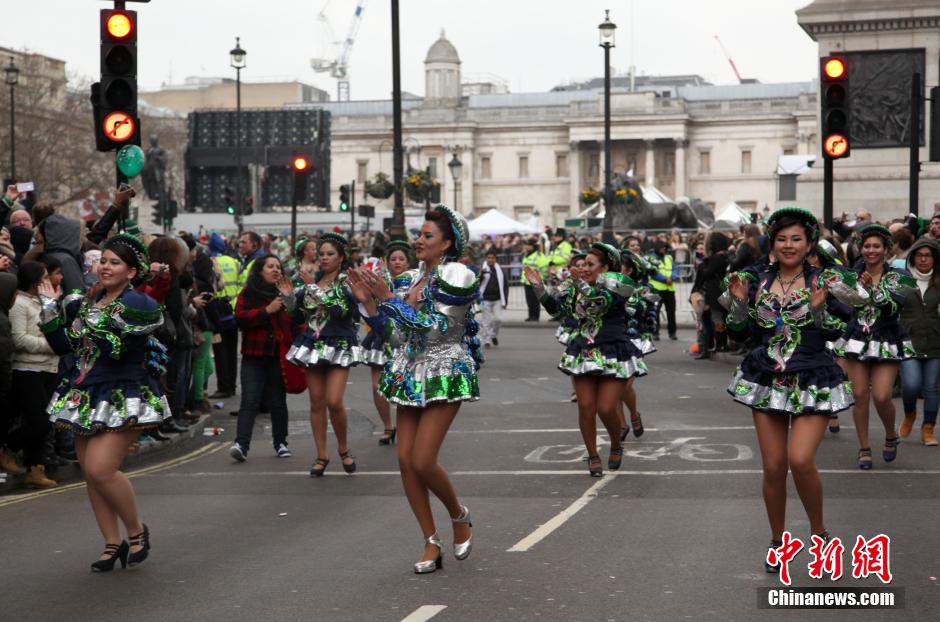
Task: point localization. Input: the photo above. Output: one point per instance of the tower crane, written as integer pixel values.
(338, 67)
(730, 62)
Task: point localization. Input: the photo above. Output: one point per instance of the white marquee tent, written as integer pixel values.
(495, 222)
(731, 215)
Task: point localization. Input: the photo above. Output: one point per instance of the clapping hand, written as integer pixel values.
(48, 291)
(284, 286)
(532, 275)
(865, 279)
(818, 298)
(737, 285)
(358, 287)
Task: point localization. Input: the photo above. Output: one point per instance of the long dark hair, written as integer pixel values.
(29, 274)
(256, 288)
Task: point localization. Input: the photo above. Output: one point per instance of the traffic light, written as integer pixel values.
(249, 206)
(344, 198)
(228, 200)
(300, 169)
(835, 117)
(156, 218)
(114, 98)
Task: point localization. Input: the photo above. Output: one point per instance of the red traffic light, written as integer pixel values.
(120, 25)
(834, 68)
(300, 163)
(835, 145)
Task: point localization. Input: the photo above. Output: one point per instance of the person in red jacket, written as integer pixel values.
(262, 313)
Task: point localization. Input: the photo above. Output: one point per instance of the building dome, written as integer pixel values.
(442, 51)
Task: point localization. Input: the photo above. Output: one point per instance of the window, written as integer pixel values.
(705, 162)
(746, 161)
(362, 171)
(559, 214)
(523, 166)
(561, 165)
(432, 167)
(486, 171)
(594, 168)
(789, 151)
(786, 188)
(524, 211)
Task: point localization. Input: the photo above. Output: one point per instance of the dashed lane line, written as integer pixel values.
(424, 613)
(205, 450)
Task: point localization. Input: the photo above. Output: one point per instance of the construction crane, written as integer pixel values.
(730, 62)
(338, 67)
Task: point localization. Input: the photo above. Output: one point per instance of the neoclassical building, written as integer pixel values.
(532, 153)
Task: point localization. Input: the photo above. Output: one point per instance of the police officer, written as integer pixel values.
(663, 282)
(225, 352)
(534, 257)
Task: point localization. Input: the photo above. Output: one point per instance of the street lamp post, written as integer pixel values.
(237, 55)
(398, 215)
(12, 76)
(455, 166)
(606, 31)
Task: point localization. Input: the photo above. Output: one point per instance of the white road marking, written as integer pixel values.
(546, 529)
(424, 612)
(667, 428)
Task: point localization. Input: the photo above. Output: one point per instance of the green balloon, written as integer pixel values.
(130, 160)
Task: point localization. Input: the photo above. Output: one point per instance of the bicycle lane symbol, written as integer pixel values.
(683, 447)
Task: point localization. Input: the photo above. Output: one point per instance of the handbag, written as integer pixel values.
(294, 376)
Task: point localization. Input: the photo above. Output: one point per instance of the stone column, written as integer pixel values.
(574, 177)
(681, 144)
(650, 178)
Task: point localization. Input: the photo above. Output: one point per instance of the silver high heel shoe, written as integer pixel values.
(462, 550)
(432, 564)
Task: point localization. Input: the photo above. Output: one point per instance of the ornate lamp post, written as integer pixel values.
(12, 76)
(456, 167)
(606, 31)
(237, 55)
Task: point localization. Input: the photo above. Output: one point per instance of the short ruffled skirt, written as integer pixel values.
(309, 351)
(888, 344)
(108, 406)
(375, 351)
(820, 389)
(618, 359)
(644, 344)
(564, 334)
(442, 373)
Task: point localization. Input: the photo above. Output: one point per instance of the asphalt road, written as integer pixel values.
(679, 533)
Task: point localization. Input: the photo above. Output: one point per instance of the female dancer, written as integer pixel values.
(306, 260)
(328, 347)
(558, 300)
(435, 369)
(875, 343)
(376, 349)
(107, 395)
(919, 376)
(641, 320)
(262, 312)
(600, 357)
(791, 382)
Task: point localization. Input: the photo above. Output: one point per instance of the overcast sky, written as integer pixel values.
(532, 44)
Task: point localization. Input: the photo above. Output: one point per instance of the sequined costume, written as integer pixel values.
(557, 301)
(377, 350)
(330, 335)
(439, 352)
(110, 365)
(875, 332)
(791, 372)
(600, 345)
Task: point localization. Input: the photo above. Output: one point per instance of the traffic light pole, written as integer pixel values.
(916, 99)
(352, 208)
(827, 192)
(398, 215)
(293, 212)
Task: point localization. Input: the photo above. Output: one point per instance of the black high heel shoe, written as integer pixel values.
(389, 438)
(772, 568)
(624, 433)
(142, 540)
(594, 471)
(612, 464)
(116, 552)
(637, 425)
(349, 468)
(321, 463)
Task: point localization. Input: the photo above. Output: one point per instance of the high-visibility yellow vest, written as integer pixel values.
(561, 254)
(664, 268)
(228, 269)
(243, 274)
(537, 260)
